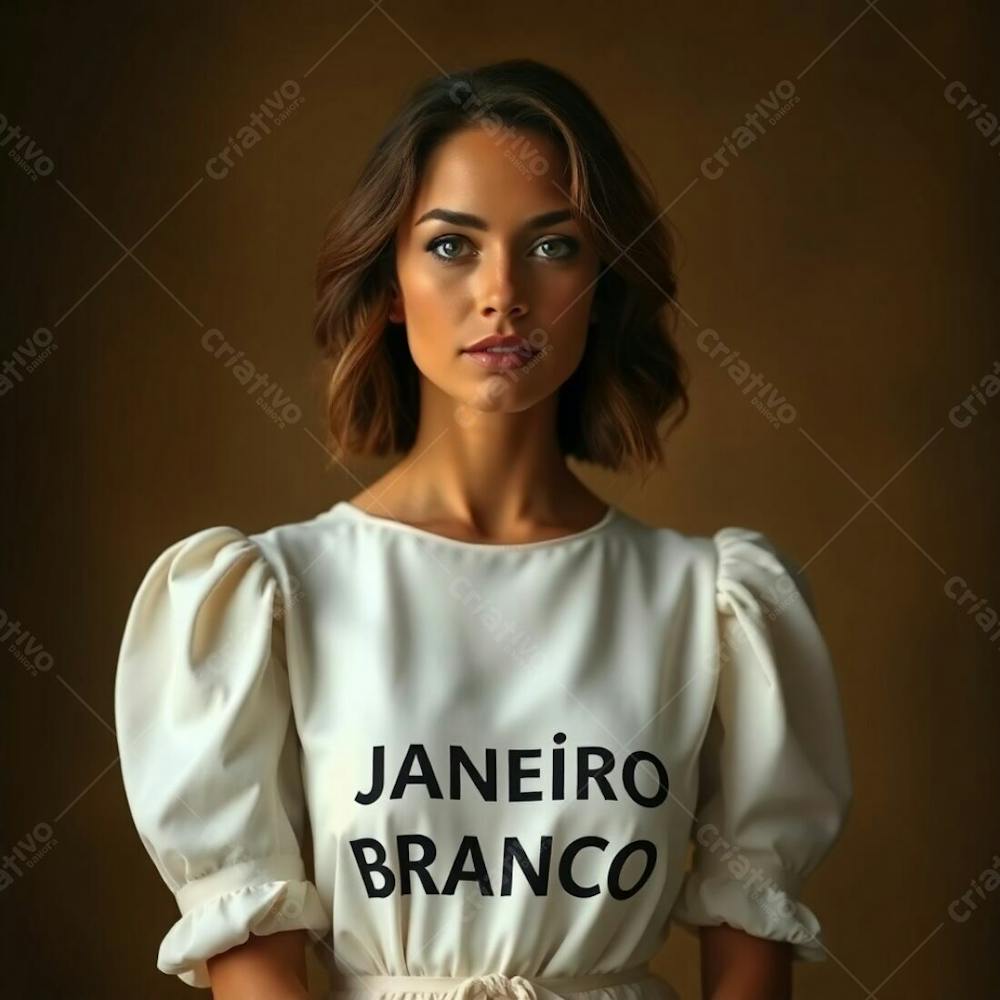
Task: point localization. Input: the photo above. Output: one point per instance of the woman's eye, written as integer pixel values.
(445, 241)
(563, 247)
(448, 248)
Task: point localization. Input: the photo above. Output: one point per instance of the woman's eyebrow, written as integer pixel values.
(474, 222)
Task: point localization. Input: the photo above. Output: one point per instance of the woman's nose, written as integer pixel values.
(498, 309)
(502, 294)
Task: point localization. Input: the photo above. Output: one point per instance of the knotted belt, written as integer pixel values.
(487, 986)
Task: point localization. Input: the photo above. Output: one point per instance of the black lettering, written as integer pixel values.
(518, 773)
(538, 878)
(566, 866)
(618, 863)
(378, 778)
(468, 848)
(487, 786)
(419, 865)
(628, 778)
(585, 772)
(425, 775)
(366, 868)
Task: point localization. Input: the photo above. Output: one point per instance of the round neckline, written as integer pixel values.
(365, 517)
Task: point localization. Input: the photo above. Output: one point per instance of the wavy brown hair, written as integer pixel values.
(630, 375)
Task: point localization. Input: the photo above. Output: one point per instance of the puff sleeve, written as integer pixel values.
(209, 750)
(775, 785)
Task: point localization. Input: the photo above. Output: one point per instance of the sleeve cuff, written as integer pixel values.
(221, 910)
(765, 906)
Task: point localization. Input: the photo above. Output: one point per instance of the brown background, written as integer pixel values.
(850, 254)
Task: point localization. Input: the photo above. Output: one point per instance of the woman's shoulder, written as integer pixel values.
(727, 540)
(277, 539)
(203, 556)
(202, 553)
(726, 544)
(732, 555)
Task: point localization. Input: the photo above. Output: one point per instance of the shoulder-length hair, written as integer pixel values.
(630, 375)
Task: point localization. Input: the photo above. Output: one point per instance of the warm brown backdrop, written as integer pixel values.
(850, 254)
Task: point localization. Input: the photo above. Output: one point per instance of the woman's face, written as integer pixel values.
(499, 269)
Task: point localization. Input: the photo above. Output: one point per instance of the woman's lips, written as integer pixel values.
(497, 359)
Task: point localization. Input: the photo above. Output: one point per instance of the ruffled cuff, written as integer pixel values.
(221, 910)
(760, 901)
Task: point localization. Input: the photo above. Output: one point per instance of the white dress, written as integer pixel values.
(496, 752)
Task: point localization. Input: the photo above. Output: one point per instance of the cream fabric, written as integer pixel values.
(498, 750)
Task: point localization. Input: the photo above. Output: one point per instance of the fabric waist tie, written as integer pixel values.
(487, 986)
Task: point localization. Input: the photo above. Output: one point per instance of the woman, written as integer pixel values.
(496, 707)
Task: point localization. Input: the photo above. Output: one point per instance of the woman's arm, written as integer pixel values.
(738, 966)
(272, 967)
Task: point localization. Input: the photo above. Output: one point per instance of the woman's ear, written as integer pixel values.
(387, 268)
(397, 314)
